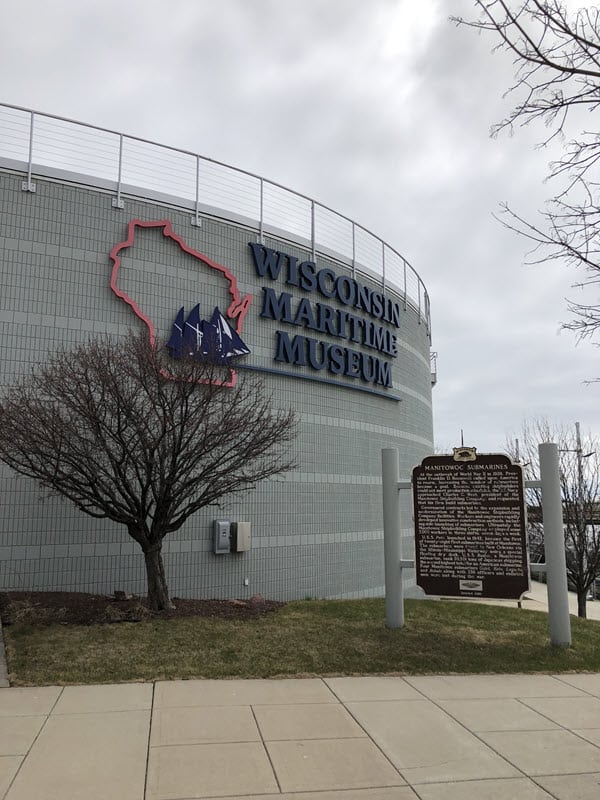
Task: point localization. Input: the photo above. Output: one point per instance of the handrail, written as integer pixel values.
(129, 164)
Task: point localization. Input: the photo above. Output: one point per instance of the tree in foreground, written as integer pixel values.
(103, 427)
(556, 55)
(579, 467)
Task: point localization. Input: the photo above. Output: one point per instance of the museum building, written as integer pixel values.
(103, 233)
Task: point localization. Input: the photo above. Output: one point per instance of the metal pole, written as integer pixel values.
(554, 540)
(580, 520)
(394, 601)
(580, 503)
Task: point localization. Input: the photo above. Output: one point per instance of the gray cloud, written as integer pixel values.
(381, 110)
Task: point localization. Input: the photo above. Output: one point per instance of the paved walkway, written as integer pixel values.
(537, 599)
(374, 738)
(486, 737)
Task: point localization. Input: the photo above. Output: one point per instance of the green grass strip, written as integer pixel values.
(346, 637)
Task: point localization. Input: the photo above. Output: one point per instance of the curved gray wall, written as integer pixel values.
(317, 531)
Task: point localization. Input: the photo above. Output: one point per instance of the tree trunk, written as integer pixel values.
(158, 591)
(581, 604)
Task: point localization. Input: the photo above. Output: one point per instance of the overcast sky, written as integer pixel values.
(379, 109)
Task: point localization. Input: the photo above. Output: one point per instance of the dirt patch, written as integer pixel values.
(76, 608)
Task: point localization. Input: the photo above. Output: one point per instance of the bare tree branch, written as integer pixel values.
(556, 57)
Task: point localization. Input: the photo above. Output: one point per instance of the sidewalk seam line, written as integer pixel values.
(559, 725)
(492, 749)
(151, 722)
(367, 734)
(36, 737)
(266, 749)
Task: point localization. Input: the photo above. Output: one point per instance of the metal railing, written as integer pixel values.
(47, 145)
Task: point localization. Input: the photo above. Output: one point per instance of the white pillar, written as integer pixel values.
(394, 601)
(554, 542)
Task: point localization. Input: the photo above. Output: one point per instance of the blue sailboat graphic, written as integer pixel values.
(214, 340)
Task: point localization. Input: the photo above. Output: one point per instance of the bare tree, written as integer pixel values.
(579, 466)
(556, 56)
(104, 427)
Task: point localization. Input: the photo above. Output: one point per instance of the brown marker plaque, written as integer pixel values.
(470, 537)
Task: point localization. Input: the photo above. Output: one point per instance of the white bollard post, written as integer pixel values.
(554, 541)
(394, 601)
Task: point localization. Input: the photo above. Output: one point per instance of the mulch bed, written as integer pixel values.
(76, 608)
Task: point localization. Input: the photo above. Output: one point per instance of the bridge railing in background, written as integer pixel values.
(43, 144)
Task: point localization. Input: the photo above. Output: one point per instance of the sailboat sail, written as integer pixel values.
(192, 332)
(214, 340)
(229, 343)
(175, 343)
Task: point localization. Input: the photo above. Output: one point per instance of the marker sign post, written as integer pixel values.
(470, 530)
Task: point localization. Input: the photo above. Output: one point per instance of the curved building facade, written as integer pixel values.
(104, 234)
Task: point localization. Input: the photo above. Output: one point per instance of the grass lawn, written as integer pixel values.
(312, 637)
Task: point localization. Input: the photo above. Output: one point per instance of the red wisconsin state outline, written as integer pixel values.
(236, 310)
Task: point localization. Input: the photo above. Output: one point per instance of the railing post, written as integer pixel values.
(353, 250)
(28, 185)
(117, 201)
(196, 218)
(261, 235)
(382, 266)
(312, 227)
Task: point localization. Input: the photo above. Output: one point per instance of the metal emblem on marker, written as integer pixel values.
(475, 586)
(464, 453)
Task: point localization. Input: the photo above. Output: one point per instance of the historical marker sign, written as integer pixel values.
(470, 537)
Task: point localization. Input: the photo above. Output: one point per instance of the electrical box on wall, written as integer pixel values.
(240, 537)
(221, 536)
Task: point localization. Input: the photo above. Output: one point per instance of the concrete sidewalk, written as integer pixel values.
(537, 599)
(375, 738)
